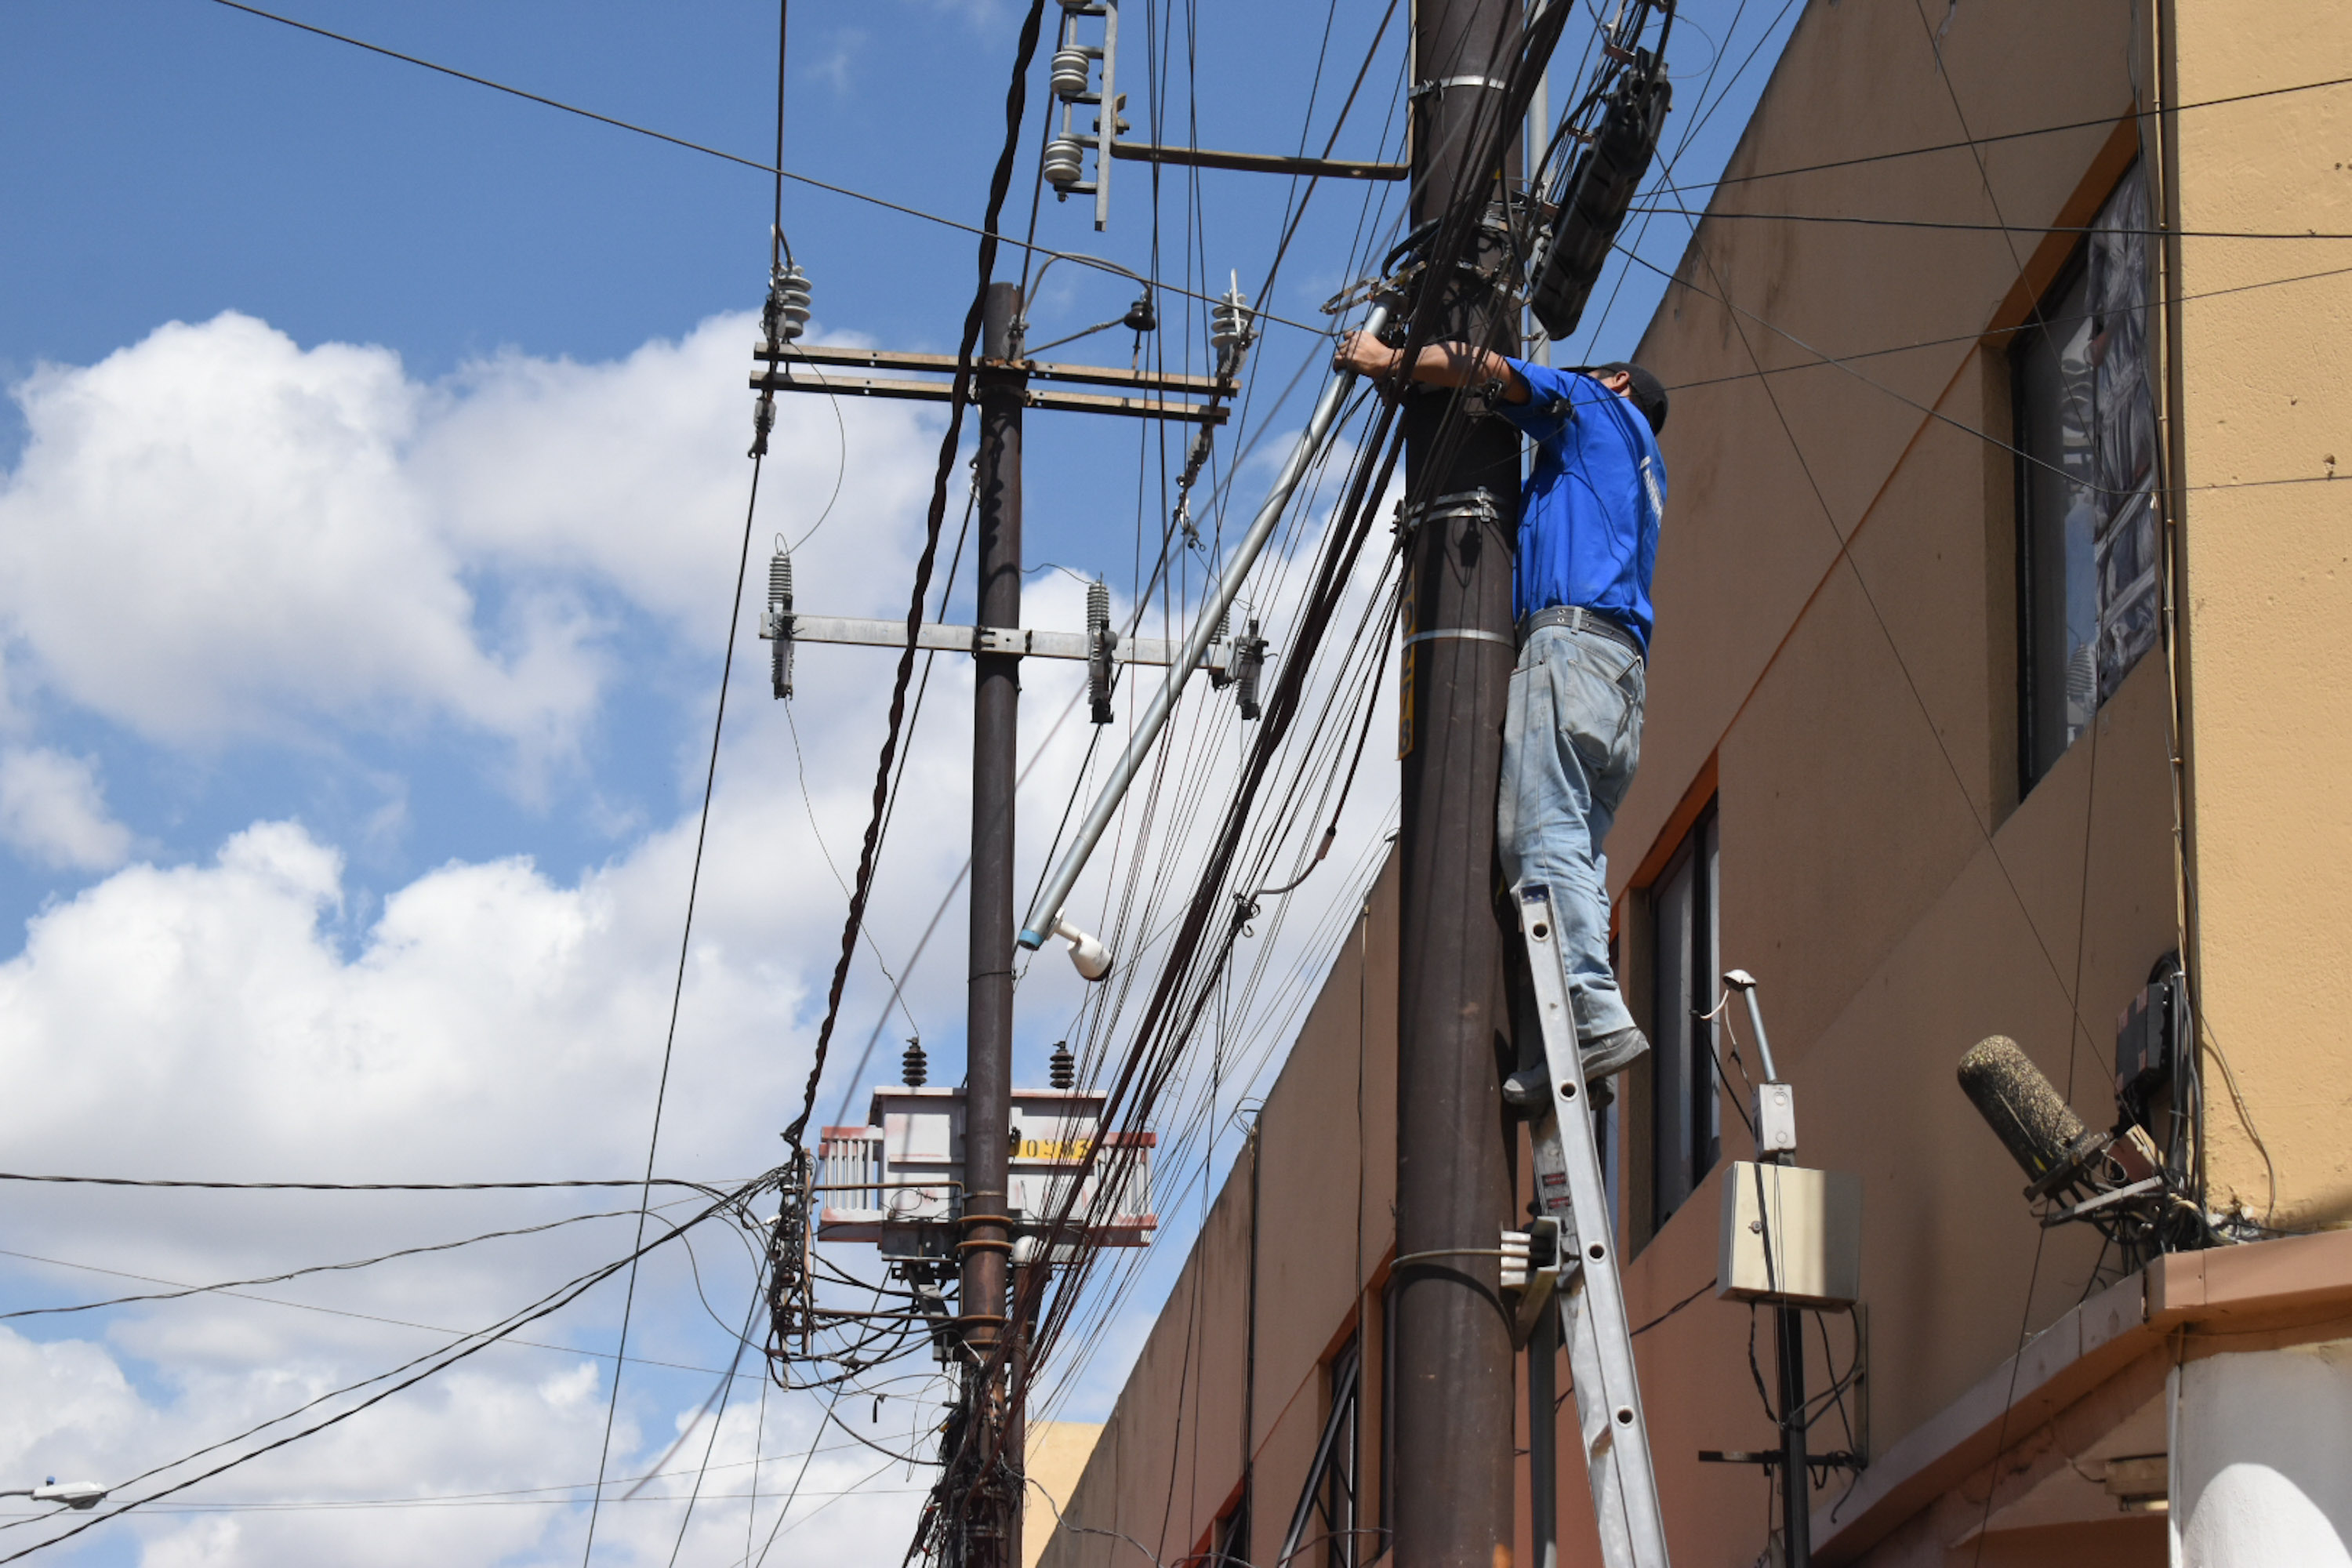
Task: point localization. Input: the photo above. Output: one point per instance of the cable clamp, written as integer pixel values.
(1439, 84)
(1479, 503)
(1464, 633)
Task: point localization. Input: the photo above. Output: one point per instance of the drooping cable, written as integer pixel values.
(1015, 106)
(407, 1375)
(676, 1000)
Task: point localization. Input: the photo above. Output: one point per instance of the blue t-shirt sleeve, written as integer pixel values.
(1553, 397)
(1549, 405)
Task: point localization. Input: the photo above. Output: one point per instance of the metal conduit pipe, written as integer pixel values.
(1046, 912)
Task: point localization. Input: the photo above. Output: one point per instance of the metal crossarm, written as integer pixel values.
(1616, 1435)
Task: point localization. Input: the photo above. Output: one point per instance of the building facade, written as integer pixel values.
(2004, 673)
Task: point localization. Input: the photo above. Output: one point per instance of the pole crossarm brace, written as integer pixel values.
(1260, 163)
(1220, 658)
(775, 375)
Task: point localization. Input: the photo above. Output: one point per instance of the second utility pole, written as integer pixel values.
(1454, 1395)
(991, 1532)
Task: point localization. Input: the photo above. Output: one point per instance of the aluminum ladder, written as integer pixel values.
(1590, 1292)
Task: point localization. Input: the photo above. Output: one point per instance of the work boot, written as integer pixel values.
(1613, 1053)
(1528, 1089)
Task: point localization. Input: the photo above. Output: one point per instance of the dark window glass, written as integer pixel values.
(2087, 548)
(1336, 1491)
(1229, 1545)
(1686, 1131)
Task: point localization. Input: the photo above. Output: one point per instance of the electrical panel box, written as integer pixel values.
(1791, 1235)
(1775, 1119)
(899, 1182)
(2151, 1036)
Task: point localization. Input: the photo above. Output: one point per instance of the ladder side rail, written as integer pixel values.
(1593, 1318)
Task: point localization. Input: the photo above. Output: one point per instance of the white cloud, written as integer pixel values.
(53, 813)
(217, 533)
(253, 1017)
(218, 1019)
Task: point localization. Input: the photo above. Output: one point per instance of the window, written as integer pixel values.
(1686, 1118)
(1323, 1526)
(2088, 549)
(1229, 1539)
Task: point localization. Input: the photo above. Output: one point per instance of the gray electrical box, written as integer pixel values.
(1791, 1235)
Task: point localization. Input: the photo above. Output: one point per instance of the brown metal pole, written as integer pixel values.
(1454, 1397)
(987, 1239)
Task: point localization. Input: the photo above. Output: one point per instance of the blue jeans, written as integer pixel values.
(1570, 743)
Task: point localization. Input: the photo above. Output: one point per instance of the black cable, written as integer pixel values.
(726, 1387)
(1670, 1312)
(2099, 123)
(359, 1186)
(777, 170)
(1955, 226)
(1015, 102)
(432, 1361)
(1691, 128)
(1977, 337)
(678, 994)
(1822, 357)
(313, 1268)
(1173, 1019)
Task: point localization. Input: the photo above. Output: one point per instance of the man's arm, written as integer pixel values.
(1439, 364)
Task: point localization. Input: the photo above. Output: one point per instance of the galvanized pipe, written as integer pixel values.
(1048, 906)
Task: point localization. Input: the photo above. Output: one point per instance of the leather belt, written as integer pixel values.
(1577, 618)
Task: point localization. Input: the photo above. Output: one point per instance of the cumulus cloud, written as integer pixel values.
(227, 1020)
(325, 545)
(53, 811)
(217, 533)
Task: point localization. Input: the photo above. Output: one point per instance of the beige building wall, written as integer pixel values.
(1170, 1463)
(1837, 671)
(1053, 1455)
(2266, 426)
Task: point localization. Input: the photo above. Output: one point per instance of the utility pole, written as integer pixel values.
(982, 1492)
(991, 1527)
(1455, 1397)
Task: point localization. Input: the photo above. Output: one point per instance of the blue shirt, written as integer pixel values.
(1590, 512)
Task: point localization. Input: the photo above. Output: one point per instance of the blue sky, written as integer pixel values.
(359, 636)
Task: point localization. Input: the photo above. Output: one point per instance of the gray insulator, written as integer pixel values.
(1221, 679)
(1066, 161)
(779, 625)
(788, 305)
(1073, 72)
(763, 419)
(1253, 652)
(2032, 1122)
(1230, 322)
(1100, 641)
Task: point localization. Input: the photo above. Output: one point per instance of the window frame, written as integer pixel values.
(1684, 1078)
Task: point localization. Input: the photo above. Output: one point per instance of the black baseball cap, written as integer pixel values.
(1646, 393)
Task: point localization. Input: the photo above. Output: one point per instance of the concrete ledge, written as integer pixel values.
(2266, 1282)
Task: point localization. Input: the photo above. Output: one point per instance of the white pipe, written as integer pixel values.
(1048, 907)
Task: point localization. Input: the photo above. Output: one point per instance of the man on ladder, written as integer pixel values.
(1589, 519)
(1588, 540)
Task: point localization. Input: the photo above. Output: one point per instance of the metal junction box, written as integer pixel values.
(1791, 1235)
(899, 1182)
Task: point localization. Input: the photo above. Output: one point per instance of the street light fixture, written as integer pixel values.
(73, 1494)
